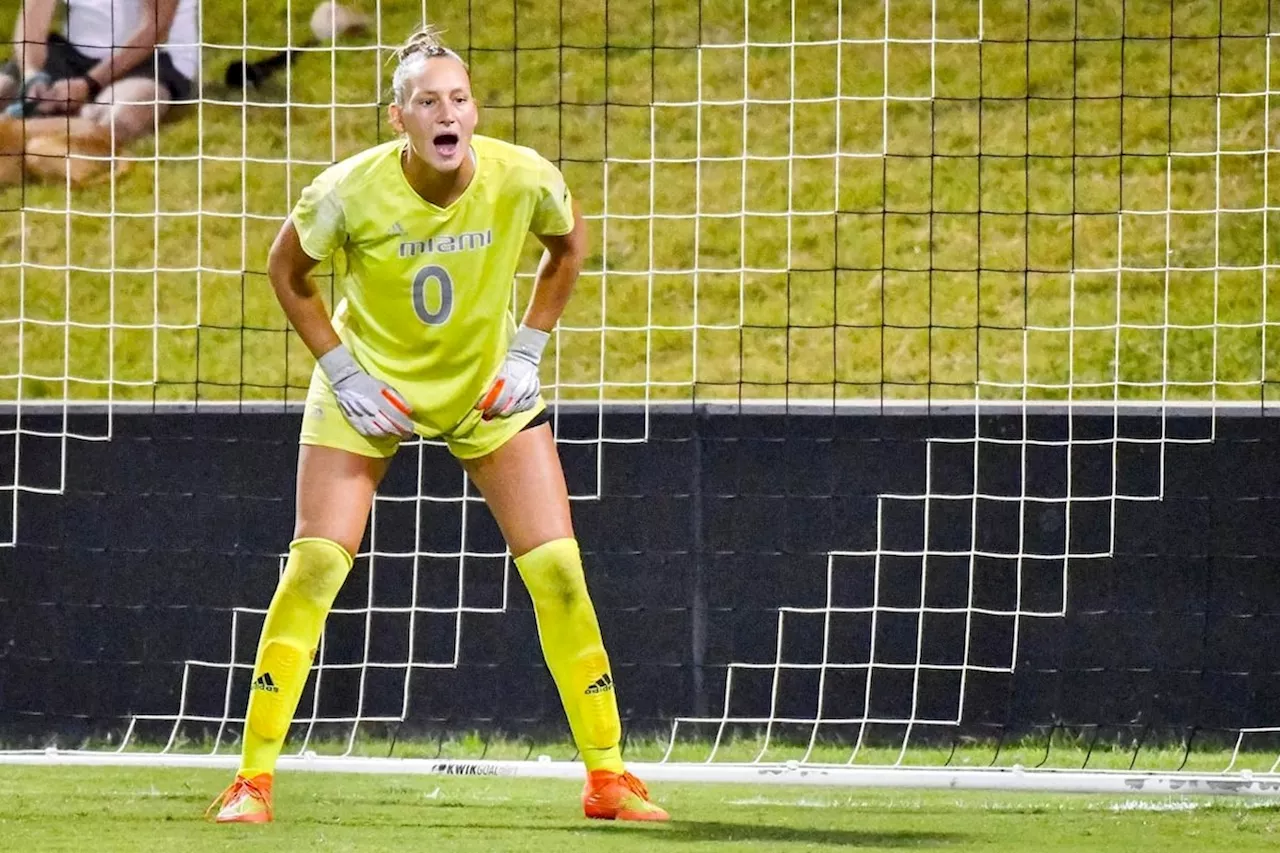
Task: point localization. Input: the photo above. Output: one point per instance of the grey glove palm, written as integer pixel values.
(516, 387)
(370, 405)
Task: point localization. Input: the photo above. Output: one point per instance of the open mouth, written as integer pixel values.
(446, 144)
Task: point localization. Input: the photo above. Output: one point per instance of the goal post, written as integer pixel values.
(914, 402)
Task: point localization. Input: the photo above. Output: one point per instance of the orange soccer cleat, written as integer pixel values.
(245, 801)
(618, 796)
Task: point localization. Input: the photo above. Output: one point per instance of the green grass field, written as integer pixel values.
(56, 808)
(130, 809)
(114, 809)
(936, 252)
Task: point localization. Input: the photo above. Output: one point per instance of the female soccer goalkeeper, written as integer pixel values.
(432, 226)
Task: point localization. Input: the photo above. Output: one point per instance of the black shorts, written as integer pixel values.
(63, 62)
(543, 417)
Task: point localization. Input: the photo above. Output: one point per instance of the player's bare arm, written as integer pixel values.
(372, 406)
(516, 387)
(289, 268)
(557, 274)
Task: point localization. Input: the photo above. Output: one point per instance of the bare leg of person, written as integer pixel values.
(523, 484)
(131, 108)
(334, 494)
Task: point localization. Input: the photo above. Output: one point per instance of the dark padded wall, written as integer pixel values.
(702, 532)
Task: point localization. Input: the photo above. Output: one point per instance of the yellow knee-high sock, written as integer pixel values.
(575, 654)
(312, 577)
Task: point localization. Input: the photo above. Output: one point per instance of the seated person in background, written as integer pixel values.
(106, 80)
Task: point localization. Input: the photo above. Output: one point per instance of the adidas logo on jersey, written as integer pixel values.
(446, 243)
(266, 683)
(396, 230)
(603, 684)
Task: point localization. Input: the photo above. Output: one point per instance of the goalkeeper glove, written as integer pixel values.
(516, 387)
(373, 407)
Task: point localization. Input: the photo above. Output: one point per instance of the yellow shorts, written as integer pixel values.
(323, 424)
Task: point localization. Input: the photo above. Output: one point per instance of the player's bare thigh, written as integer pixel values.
(523, 484)
(335, 494)
(132, 106)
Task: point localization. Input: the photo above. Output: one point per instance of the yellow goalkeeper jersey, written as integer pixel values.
(426, 290)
